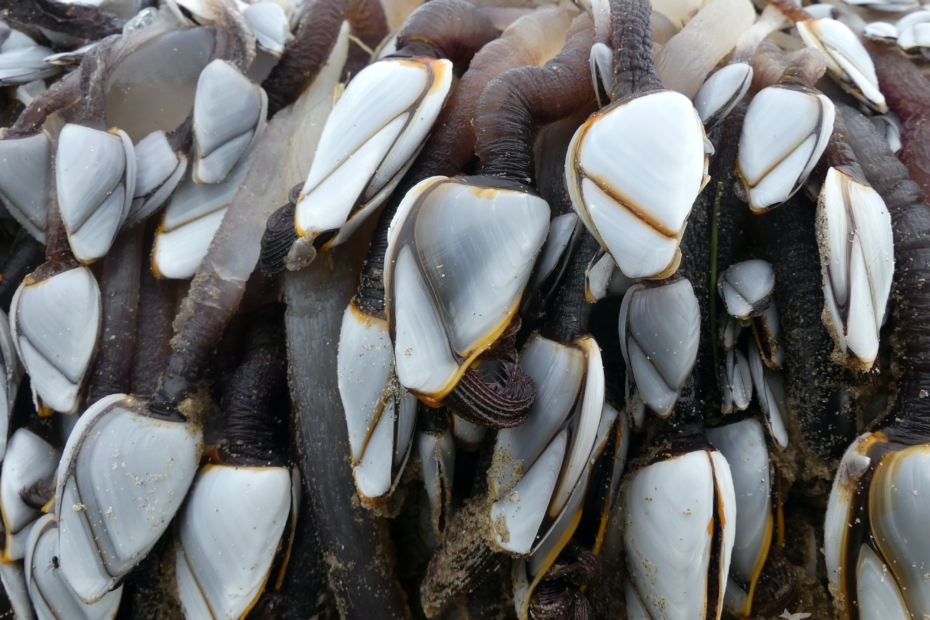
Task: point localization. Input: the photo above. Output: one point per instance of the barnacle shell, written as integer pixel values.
(24, 180)
(722, 91)
(877, 594)
(914, 32)
(229, 116)
(193, 215)
(603, 278)
(10, 375)
(840, 507)
(883, 32)
(884, 5)
(448, 301)
(857, 258)
(770, 391)
(784, 134)
(230, 529)
(14, 586)
(269, 24)
(55, 324)
(123, 477)
(890, 127)
(437, 456)
(747, 287)
(158, 171)
(674, 511)
(633, 170)
(899, 501)
(95, 174)
(468, 433)
(743, 445)
(528, 572)
(30, 459)
(737, 382)
(52, 596)
(22, 60)
(551, 262)
(371, 137)
(538, 464)
(847, 60)
(659, 329)
(381, 416)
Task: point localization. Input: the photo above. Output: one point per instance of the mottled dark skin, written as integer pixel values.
(452, 29)
(64, 93)
(907, 93)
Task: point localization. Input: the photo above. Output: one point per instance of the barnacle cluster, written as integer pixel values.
(464, 309)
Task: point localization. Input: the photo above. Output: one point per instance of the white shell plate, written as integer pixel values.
(230, 529)
(633, 171)
(784, 134)
(55, 325)
(371, 136)
(29, 460)
(122, 479)
(51, 595)
(475, 249)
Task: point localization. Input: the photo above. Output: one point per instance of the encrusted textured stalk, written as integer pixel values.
(634, 71)
(158, 301)
(818, 392)
(571, 313)
(461, 561)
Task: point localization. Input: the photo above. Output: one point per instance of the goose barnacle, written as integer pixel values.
(785, 132)
(381, 122)
(636, 199)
